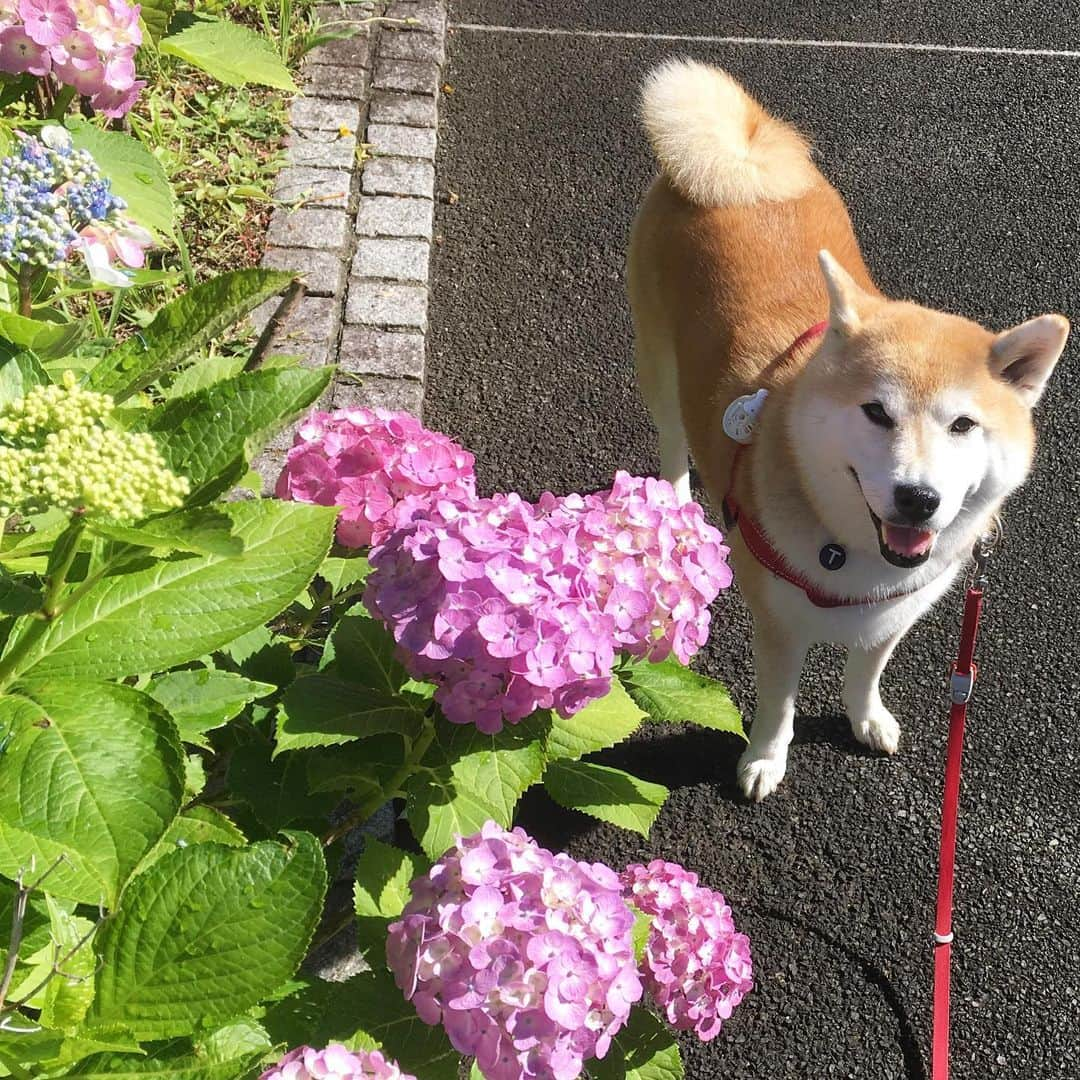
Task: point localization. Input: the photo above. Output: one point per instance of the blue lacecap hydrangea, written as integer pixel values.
(47, 195)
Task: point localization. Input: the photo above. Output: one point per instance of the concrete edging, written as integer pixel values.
(360, 231)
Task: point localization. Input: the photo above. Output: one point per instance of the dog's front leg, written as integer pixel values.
(871, 723)
(778, 661)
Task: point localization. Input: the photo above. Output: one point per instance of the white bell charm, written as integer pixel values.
(741, 415)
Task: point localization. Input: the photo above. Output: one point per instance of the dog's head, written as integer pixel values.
(911, 425)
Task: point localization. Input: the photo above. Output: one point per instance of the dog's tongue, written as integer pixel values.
(907, 541)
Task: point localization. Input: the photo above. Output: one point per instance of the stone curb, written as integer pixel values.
(358, 229)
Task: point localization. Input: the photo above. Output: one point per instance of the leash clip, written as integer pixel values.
(984, 550)
(961, 687)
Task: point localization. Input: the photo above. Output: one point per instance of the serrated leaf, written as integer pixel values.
(321, 710)
(93, 773)
(206, 932)
(69, 993)
(198, 825)
(203, 373)
(361, 768)
(469, 778)
(202, 435)
(362, 651)
(155, 15)
(276, 790)
(230, 53)
(200, 700)
(133, 172)
(370, 1010)
(182, 328)
(183, 608)
(203, 530)
(237, 1039)
(601, 724)
(643, 1050)
(673, 694)
(163, 1066)
(608, 794)
(19, 374)
(47, 340)
(343, 572)
(381, 891)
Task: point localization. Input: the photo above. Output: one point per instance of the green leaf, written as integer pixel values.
(156, 15)
(164, 1065)
(381, 891)
(19, 374)
(673, 694)
(320, 710)
(199, 825)
(17, 598)
(230, 53)
(608, 794)
(361, 768)
(643, 1050)
(201, 700)
(134, 173)
(382, 877)
(344, 572)
(206, 932)
(276, 790)
(203, 435)
(237, 1039)
(600, 724)
(203, 530)
(203, 373)
(469, 778)
(68, 995)
(181, 609)
(182, 328)
(47, 340)
(94, 773)
(362, 649)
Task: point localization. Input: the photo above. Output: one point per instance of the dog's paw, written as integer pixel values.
(760, 776)
(878, 730)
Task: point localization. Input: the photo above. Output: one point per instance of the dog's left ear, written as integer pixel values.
(846, 299)
(1025, 356)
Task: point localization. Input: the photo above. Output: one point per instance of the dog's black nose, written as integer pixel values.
(916, 503)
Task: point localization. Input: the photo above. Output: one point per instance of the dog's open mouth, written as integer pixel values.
(903, 545)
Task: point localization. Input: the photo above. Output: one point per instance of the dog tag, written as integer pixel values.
(741, 415)
(832, 556)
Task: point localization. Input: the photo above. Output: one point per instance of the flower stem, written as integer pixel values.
(26, 299)
(63, 100)
(410, 765)
(185, 259)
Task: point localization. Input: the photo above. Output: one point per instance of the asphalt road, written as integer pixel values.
(960, 169)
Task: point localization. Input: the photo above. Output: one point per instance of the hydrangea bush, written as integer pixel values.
(156, 631)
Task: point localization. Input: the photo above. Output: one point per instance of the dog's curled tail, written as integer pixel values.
(715, 143)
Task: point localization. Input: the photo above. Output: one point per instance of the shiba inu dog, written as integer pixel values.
(889, 435)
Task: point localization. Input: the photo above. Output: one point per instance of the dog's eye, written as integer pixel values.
(962, 425)
(876, 414)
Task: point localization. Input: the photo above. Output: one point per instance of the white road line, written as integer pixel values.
(784, 43)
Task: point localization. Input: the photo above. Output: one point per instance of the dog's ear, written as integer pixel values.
(1025, 356)
(845, 297)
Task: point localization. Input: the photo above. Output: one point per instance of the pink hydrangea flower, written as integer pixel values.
(523, 956)
(47, 22)
(696, 967)
(509, 607)
(368, 460)
(21, 54)
(657, 562)
(334, 1063)
(113, 102)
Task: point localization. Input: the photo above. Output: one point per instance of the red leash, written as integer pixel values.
(962, 682)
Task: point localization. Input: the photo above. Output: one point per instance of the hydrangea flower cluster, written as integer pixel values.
(54, 200)
(366, 461)
(696, 966)
(489, 600)
(656, 562)
(525, 957)
(334, 1063)
(85, 45)
(57, 450)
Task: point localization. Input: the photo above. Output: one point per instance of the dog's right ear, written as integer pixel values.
(845, 297)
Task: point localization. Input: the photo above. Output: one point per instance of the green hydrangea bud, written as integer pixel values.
(57, 449)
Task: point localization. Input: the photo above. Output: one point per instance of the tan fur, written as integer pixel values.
(739, 247)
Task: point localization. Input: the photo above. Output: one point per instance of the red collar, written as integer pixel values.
(762, 548)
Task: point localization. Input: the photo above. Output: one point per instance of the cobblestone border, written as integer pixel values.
(360, 234)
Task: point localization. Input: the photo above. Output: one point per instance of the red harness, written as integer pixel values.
(763, 549)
